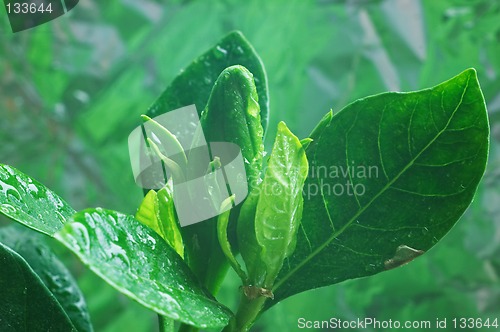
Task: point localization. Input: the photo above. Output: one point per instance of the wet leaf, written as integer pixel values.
(52, 272)
(30, 203)
(194, 83)
(233, 115)
(27, 304)
(157, 211)
(408, 164)
(222, 221)
(136, 261)
(278, 210)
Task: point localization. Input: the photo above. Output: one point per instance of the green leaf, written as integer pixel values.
(222, 222)
(27, 304)
(279, 208)
(194, 83)
(157, 211)
(31, 203)
(232, 115)
(137, 262)
(54, 275)
(413, 161)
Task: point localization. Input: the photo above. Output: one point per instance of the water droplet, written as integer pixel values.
(118, 252)
(83, 239)
(8, 209)
(9, 190)
(60, 216)
(32, 188)
(371, 268)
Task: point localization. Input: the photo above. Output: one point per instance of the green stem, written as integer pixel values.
(188, 328)
(166, 324)
(248, 311)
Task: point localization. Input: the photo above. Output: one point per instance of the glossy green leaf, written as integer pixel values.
(222, 222)
(279, 208)
(31, 203)
(52, 272)
(408, 164)
(137, 262)
(27, 304)
(233, 115)
(194, 84)
(157, 211)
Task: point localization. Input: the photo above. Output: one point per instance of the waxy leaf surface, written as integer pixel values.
(51, 271)
(194, 84)
(279, 208)
(27, 304)
(389, 176)
(31, 203)
(139, 263)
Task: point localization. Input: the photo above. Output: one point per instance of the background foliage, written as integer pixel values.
(72, 90)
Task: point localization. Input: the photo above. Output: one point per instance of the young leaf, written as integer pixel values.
(31, 203)
(231, 115)
(279, 208)
(426, 152)
(54, 275)
(157, 211)
(222, 222)
(194, 84)
(137, 262)
(27, 304)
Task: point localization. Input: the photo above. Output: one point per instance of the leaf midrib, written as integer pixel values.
(362, 210)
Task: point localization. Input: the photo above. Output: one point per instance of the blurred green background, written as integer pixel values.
(73, 89)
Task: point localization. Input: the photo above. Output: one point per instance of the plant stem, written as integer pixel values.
(188, 328)
(247, 313)
(166, 324)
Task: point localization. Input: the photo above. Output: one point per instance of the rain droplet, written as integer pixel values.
(7, 190)
(118, 252)
(32, 188)
(7, 208)
(83, 240)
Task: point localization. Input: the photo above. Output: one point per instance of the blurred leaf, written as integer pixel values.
(137, 262)
(31, 203)
(54, 275)
(27, 304)
(429, 150)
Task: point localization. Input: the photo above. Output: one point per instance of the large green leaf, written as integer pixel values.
(31, 203)
(137, 262)
(27, 304)
(413, 161)
(194, 84)
(54, 275)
